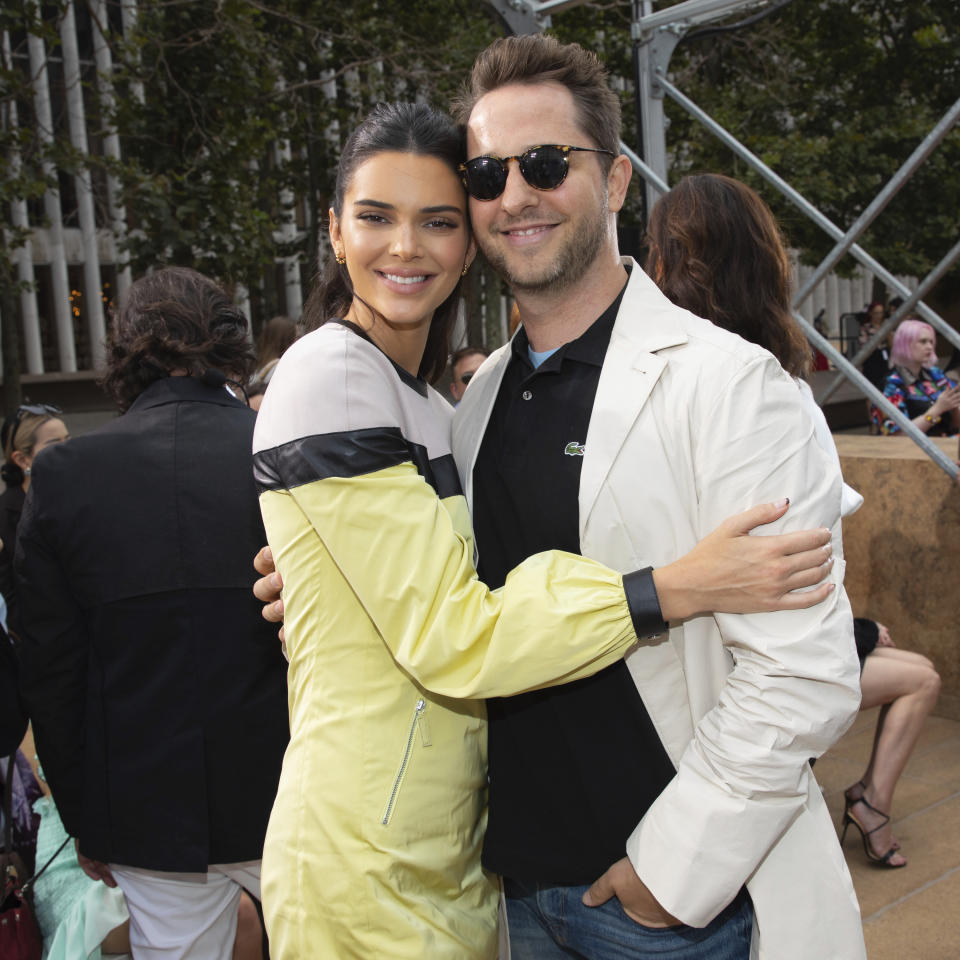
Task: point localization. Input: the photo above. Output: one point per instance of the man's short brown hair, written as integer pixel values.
(542, 59)
(467, 351)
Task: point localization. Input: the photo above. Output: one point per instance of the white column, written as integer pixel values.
(241, 296)
(51, 203)
(292, 291)
(24, 253)
(845, 290)
(128, 14)
(818, 298)
(111, 144)
(806, 308)
(77, 122)
(831, 298)
(866, 290)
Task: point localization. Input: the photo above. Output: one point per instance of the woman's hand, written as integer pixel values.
(948, 400)
(267, 588)
(732, 572)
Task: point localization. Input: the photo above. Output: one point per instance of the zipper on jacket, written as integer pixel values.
(417, 724)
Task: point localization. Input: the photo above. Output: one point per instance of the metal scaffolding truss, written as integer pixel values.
(657, 35)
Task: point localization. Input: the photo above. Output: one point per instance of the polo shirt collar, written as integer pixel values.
(590, 347)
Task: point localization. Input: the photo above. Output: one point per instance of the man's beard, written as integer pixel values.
(568, 267)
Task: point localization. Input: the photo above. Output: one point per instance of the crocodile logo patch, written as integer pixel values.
(573, 449)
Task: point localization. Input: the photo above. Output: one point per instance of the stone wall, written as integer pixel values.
(903, 549)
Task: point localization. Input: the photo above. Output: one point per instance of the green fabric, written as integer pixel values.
(74, 912)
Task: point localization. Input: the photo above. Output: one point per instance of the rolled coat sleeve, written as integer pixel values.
(794, 687)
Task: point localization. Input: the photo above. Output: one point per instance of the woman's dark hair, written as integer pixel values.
(716, 250)
(277, 334)
(174, 319)
(401, 128)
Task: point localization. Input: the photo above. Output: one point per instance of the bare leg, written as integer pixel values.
(907, 686)
(248, 945)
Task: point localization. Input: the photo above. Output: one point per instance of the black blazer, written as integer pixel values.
(11, 506)
(156, 690)
(13, 720)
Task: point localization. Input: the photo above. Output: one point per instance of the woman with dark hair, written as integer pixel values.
(277, 335)
(34, 427)
(374, 841)
(715, 249)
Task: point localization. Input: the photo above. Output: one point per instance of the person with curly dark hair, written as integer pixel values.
(150, 678)
(175, 323)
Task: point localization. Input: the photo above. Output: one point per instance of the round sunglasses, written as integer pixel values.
(543, 167)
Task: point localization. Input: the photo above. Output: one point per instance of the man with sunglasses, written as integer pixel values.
(666, 804)
(463, 365)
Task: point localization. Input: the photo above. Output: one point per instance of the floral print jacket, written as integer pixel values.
(914, 396)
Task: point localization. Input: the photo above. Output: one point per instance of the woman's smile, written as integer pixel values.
(405, 236)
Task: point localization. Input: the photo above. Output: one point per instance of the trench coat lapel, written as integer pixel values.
(472, 416)
(632, 366)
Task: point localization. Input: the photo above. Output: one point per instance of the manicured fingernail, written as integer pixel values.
(828, 548)
(780, 504)
(267, 554)
(278, 607)
(275, 581)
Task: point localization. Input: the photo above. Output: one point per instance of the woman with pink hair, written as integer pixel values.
(917, 386)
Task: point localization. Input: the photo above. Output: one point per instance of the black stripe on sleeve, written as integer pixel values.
(350, 453)
(440, 473)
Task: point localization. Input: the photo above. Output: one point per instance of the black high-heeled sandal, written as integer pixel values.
(849, 801)
(848, 819)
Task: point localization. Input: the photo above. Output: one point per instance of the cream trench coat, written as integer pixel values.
(692, 424)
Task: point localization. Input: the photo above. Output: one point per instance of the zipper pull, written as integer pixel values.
(422, 723)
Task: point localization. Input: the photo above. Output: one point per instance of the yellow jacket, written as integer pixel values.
(373, 848)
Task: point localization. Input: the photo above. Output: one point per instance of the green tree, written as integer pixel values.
(224, 83)
(834, 95)
(24, 175)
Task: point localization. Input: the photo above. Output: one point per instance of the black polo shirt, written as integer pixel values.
(572, 768)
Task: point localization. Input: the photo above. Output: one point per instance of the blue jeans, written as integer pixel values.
(551, 923)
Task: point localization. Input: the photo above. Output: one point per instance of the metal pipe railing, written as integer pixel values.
(929, 281)
(798, 200)
(647, 172)
(880, 201)
(877, 398)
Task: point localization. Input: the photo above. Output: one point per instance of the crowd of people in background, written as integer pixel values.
(181, 748)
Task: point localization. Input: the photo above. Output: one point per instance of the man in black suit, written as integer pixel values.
(157, 697)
